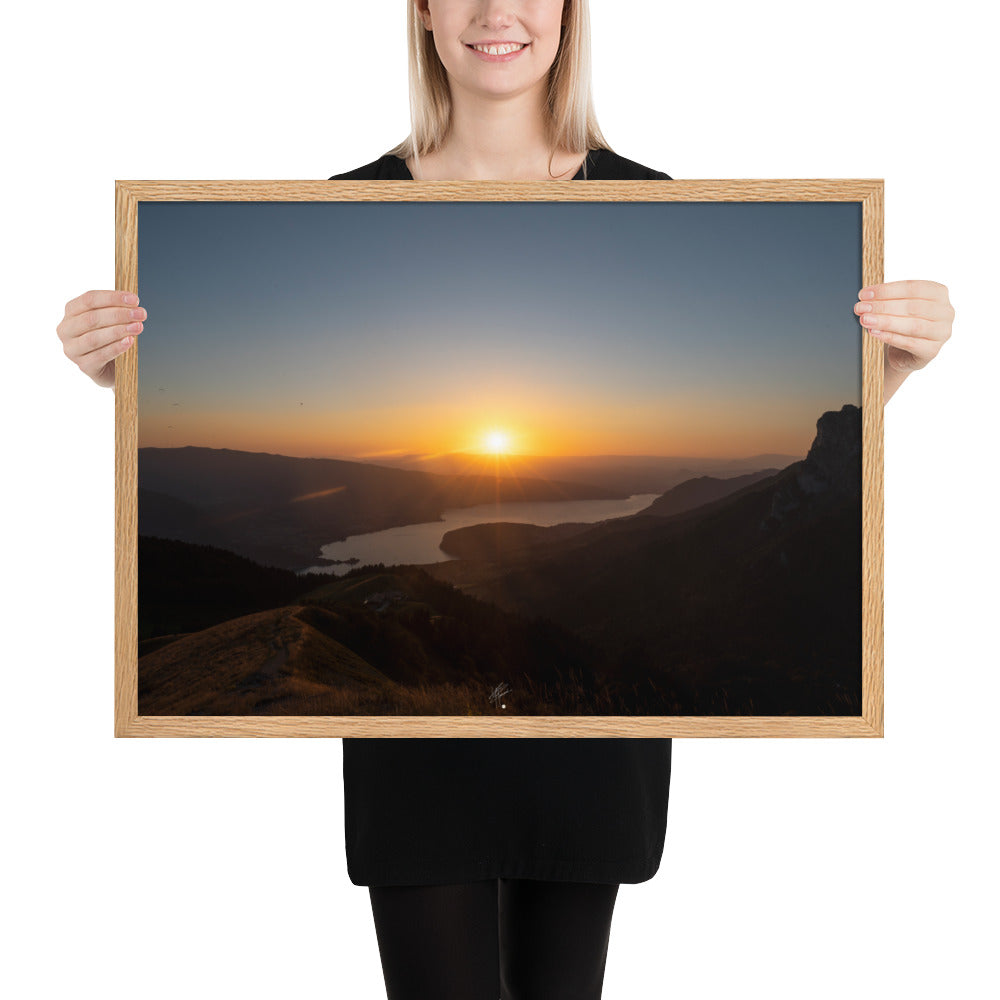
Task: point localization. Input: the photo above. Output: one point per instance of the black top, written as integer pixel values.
(437, 810)
(602, 165)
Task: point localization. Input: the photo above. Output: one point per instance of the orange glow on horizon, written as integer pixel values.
(548, 428)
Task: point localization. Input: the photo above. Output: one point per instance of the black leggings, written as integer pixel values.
(514, 939)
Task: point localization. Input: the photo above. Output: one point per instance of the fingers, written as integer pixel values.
(905, 352)
(98, 326)
(913, 318)
(89, 331)
(920, 348)
(929, 309)
(96, 363)
(905, 290)
(96, 319)
(98, 300)
(907, 326)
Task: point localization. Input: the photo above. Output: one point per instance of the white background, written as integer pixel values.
(207, 868)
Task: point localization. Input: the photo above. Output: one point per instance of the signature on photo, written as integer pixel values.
(498, 692)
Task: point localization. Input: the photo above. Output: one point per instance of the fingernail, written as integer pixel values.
(864, 307)
(127, 342)
(867, 293)
(130, 299)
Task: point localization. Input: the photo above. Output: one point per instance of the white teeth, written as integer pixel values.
(497, 50)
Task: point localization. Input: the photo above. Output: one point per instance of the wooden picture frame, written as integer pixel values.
(866, 197)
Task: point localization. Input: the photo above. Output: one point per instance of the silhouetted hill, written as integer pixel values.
(625, 474)
(371, 642)
(279, 510)
(704, 489)
(748, 604)
(273, 662)
(500, 540)
(829, 474)
(185, 587)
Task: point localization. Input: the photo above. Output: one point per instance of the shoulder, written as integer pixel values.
(604, 164)
(385, 168)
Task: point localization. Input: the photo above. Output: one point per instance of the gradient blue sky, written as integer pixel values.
(349, 329)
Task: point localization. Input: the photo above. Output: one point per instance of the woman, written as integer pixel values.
(493, 865)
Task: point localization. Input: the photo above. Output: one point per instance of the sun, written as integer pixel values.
(498, 442)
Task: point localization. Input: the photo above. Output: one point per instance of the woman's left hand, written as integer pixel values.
(912, 318)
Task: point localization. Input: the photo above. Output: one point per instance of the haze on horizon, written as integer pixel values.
(572, 328)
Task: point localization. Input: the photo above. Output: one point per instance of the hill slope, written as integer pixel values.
(280, 510)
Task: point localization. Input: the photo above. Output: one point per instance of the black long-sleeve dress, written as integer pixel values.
(439, 810)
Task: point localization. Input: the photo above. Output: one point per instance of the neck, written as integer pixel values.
(502, 138)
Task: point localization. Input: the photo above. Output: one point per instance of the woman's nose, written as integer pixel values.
(496, 13)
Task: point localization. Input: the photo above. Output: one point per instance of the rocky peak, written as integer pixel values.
(829, 473)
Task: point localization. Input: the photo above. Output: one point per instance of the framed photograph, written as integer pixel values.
(499, 459)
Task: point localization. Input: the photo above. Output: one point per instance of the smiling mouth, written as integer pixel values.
(499, 50)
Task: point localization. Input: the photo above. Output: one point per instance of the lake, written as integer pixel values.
(419, 544)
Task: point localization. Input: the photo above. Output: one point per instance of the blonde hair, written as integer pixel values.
(571, 123)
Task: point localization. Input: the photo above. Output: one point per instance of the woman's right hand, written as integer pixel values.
(97, 327)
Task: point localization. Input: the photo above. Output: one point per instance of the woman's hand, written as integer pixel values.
(912, 318)
(96, 328)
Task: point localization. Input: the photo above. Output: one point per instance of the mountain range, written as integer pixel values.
(736, 595)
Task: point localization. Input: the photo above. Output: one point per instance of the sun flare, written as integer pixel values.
(498, 442)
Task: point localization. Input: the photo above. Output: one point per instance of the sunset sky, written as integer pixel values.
(367, 329)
